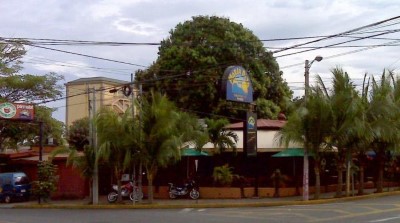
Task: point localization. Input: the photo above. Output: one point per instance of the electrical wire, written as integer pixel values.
(339, 34)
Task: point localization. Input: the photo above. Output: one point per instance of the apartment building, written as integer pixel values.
(96, 92)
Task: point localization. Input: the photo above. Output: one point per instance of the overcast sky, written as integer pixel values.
(151, 21)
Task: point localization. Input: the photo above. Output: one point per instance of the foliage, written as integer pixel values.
(10, 55)
(310, 125)
(348, 126)
(350, 121)
(30, 88)
(164, 132)
(220, 137)
(223, 175)
(383, 115)
(114, 132)
(193, 59)
(46, 182)
(27, 88)
(15, 133)
(78, 134)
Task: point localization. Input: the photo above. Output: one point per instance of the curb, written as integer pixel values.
(208, 205)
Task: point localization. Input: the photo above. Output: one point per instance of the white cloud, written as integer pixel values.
(136, 27)
(76, 68)
(150, 21)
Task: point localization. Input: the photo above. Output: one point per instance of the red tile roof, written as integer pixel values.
(261, 124)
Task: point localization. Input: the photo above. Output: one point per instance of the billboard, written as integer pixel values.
(236, 85)
(17, 111)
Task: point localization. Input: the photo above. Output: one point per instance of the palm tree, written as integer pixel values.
(309, 125)
(115, 133)
(384, 115)
(348, 124)
(221, 138)
(164, 131)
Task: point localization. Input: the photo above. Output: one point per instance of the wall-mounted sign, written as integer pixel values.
(16, 111)
(236, 85)
(250, 134)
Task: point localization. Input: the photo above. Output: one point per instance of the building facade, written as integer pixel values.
(85, 94)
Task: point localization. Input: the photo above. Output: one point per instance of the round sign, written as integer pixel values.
(7, 110)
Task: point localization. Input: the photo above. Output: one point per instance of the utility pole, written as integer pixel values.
(134, 165)
(140, 140)
(93, 144)
(305, 157)
(40, 151)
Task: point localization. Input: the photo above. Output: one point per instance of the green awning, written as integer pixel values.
(290, 152)
(192, 152)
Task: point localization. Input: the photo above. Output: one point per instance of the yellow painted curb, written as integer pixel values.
(214, 205)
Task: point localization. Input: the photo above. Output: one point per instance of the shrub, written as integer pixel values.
(46, 183)
(223, 175)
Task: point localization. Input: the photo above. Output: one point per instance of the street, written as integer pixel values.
(383, 209)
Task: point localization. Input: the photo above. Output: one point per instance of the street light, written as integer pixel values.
(305, 160)
(307, 74)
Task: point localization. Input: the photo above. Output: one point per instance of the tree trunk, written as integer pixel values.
(361, 184)
(150, 187)
(317, 180)
(117, 175)
(381, 166)
(348, 173)
(305, 176)
(140, 179)
(339, 179)
(90, 191)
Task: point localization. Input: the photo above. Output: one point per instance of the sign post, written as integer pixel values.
(237, 87)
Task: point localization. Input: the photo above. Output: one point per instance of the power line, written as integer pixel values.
(79, 54)
(335, 44)
(342, 54)
(339, 34)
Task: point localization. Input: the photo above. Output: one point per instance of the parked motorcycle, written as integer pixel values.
(189, 188)
(127, 190)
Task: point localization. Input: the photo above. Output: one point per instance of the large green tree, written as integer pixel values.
(192, 60)
(114, 132)
(309, 125)
(165, 130)
(348, 125)
(27, 88)
(383, 115)
(78, 134)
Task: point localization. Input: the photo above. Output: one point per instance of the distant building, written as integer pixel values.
(78, 96)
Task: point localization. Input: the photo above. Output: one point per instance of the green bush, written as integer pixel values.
(223, 175)
(46, 182)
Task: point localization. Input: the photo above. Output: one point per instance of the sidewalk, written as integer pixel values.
(200, 203)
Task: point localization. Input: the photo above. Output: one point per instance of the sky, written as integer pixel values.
(150, 21)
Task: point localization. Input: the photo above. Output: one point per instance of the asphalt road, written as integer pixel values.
(375, 210)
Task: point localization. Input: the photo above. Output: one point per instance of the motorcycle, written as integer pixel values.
(127, 190)
(188, 188)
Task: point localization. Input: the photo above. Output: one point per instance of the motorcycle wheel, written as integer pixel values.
(136, 196)
(7, 199)
(112, 197)
(172, 195)
(194, 194)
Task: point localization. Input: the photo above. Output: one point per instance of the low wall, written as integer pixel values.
(161, 192)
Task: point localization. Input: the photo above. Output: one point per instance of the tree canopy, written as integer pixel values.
(192, 60)
(78, 134)
(27, 88)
